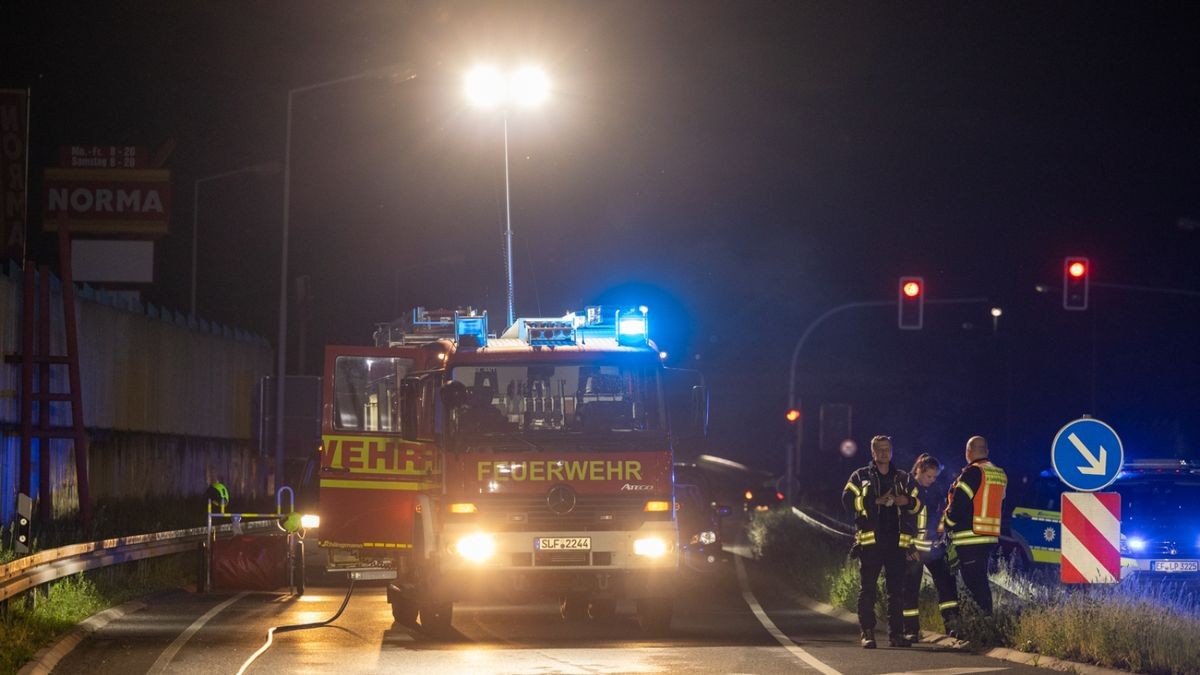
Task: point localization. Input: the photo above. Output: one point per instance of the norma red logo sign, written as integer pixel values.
(1091, 536)
(109, 201)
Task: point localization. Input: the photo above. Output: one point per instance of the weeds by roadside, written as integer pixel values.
(35, 619)
(1145, 628)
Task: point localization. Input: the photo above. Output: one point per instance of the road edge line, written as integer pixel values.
(45, 659)
(780, 637)
(164, 659)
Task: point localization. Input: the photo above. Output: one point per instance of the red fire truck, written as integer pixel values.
(466, 466)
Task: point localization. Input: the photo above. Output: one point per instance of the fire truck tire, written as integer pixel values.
(436, 618)
(602, 609)
(404, 611)
(654, 615)
(573, 606)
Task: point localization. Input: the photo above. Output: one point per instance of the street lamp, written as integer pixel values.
(263, 169)
(394, 72)
(486, 87)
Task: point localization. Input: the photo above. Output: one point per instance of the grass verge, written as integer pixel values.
(1137, 627)
(35, 619)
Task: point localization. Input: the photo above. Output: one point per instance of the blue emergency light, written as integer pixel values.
(632, 327)
(473, 327)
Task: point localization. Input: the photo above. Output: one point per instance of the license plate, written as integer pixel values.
(1175, 566)
(563, 543)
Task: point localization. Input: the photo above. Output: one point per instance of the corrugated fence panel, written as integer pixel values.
(160, 399)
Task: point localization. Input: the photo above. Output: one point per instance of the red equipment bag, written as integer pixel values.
(248, 563)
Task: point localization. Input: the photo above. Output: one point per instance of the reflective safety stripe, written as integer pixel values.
(912, 612)
(966, 538)
(865, 538)
(853, 488)
(1046, 555)
(948, 605)
(375, 484)
(905, 540)
(859, 505)
(967, 489)
(923, 546)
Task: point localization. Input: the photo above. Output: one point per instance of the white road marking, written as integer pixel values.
(164, 659)
(767, 623)
(947, 671)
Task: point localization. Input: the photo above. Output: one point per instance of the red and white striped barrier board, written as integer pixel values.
(1091, 538)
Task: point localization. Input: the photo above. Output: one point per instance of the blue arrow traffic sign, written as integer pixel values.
(1087, 455)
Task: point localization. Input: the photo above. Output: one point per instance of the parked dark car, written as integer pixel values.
(699, 516)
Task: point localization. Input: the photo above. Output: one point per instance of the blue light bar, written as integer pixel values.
(548, 332)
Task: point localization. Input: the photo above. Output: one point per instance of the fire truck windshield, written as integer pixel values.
(537, 399)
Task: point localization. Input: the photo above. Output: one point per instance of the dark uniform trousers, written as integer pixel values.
(888, 557)
(973, 564)
(943, 581)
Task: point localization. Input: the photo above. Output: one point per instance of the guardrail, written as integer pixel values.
(43, 567)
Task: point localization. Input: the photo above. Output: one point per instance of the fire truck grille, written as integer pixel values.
(561, 558)
(590, 514)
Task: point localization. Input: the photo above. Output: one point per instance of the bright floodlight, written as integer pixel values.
(485, 86)
(529, 86)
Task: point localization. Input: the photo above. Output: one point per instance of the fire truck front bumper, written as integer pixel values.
(623, 564)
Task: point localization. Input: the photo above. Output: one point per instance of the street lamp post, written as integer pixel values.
(281, 362)
(263, 169)
(486, 87)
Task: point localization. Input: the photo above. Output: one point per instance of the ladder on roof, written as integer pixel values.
(40, 399)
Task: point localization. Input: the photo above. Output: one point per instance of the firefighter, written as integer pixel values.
(925, 555)
(217, 494)
(971, 522)
(876, 495)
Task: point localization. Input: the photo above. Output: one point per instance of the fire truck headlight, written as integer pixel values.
(651, 547)
(477, 547)
(707, 537)
(310, 520)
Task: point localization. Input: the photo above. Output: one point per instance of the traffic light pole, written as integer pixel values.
(794, 454)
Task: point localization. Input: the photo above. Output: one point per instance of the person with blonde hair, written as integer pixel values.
(924, 473)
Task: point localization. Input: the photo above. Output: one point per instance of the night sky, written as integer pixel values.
(738, 167)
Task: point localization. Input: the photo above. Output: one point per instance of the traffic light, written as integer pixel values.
(793, 415)
(1076, 271)
(912, 303)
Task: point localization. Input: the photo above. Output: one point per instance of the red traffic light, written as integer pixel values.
(912, 289)
(793, 415)
(911, 294)
(1077, 268)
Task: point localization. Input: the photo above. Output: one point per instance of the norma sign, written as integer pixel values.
(14, 159)
(1091, 536)
(108, 201)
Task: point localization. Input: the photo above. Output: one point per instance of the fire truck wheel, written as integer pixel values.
(602, 609)
(404, 611)
(654, 615)
(436, 618)
(574, 606)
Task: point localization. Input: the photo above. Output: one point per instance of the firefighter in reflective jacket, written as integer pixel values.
(971, 523)
(881, 497)
(924, 473)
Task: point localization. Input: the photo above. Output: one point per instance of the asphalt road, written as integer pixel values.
(716, 630)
